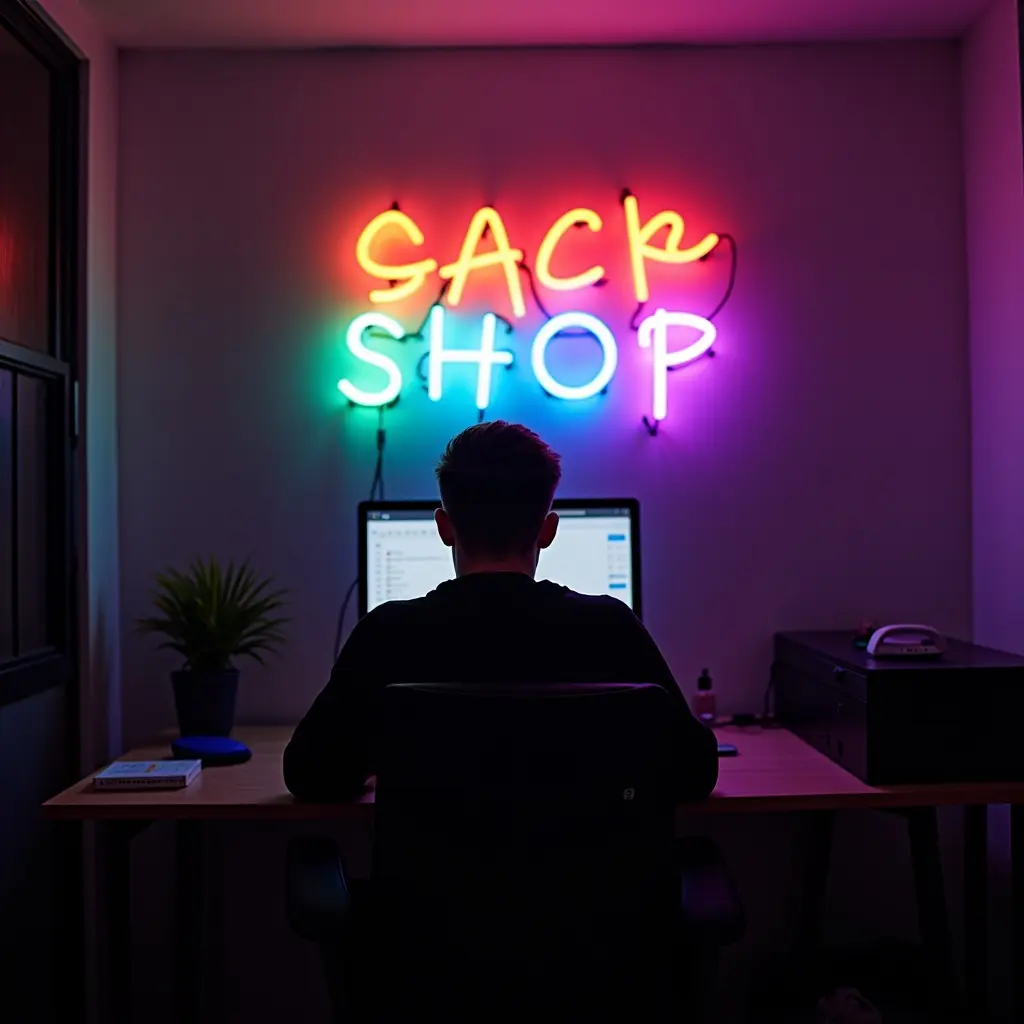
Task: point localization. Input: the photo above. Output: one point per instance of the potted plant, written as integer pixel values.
(211, 615)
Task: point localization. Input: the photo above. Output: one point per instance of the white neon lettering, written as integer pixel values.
(358, 348)
(578, 321)
(486, 357)
(653, 333)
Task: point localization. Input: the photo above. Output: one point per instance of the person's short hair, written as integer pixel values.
(497, 483)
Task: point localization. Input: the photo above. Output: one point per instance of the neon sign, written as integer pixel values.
(691, 337)
(609, 352)
(486, 357)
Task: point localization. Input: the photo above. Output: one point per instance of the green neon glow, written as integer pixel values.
(359, 348)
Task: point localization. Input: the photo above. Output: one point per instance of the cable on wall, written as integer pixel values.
(525, 268)
(377, 485)
(650, 425)
(733, 260)
(416, 335)
(634, 320)
(531, 280)
(376, 494)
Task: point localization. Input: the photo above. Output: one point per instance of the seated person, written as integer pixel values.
(492, 624)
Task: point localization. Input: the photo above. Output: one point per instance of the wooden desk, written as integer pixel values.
(774, 772)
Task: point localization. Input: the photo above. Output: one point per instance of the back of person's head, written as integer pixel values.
(497, 482)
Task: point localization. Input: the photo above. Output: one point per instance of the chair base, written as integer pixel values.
(336, 915)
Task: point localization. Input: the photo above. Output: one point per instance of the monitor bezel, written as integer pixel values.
(429, 505)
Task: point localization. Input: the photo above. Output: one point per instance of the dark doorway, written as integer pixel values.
(39, 258)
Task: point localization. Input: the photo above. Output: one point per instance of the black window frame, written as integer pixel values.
(27, 674)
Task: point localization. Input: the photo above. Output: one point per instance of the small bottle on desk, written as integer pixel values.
(704, 699)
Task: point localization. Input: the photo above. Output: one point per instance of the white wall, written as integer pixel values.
(994, 181)
(806, 477)
(994, 164)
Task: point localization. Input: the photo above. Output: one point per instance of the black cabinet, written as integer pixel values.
(891, 722)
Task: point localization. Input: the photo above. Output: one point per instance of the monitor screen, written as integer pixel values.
(596, 550)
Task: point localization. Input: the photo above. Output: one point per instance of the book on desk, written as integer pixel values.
(148, 775)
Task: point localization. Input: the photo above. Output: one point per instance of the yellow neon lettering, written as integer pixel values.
(413, 274)
(640, 248)
(486, 218)
(551, 240)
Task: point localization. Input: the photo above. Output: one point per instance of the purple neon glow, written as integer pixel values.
(653, 333)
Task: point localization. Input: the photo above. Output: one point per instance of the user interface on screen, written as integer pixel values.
(592, 552)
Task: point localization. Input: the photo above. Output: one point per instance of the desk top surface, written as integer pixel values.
(775, 771)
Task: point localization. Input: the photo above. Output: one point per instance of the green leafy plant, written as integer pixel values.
(210, 614)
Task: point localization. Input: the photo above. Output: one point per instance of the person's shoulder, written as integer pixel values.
(601, 607)
(391, 613)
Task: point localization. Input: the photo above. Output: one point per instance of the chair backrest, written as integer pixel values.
(532, 822)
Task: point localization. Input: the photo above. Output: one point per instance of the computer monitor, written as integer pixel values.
(596, 550)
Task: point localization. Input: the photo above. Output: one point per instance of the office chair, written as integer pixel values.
(524, 861)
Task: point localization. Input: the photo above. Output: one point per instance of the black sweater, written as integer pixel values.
(481, 628)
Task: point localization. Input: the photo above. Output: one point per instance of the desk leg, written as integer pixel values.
(69, 922)
(188, 923)
(819, 860)
(1017, 909)
(976, 910)
(923, 826)
(113, 848)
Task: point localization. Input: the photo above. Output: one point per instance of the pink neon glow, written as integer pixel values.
(653, 333)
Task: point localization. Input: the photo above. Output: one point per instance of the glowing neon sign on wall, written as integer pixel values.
(673, 337)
